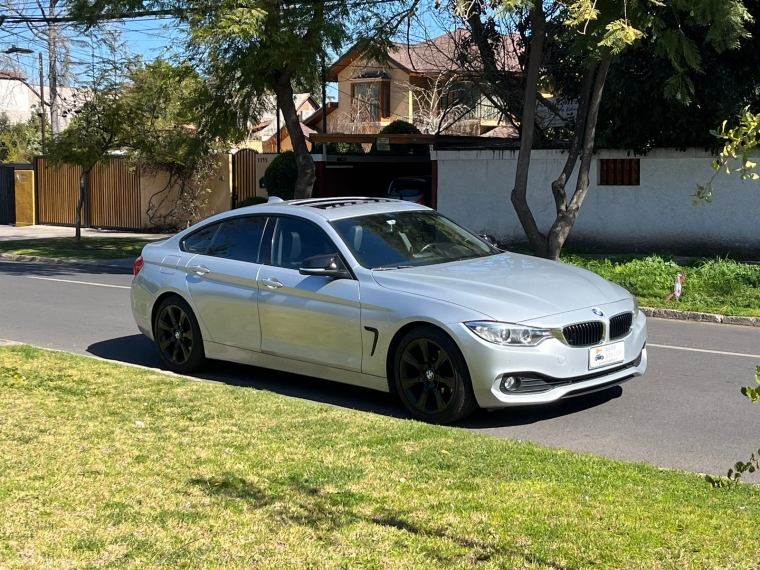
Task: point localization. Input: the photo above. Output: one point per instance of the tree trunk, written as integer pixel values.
(565, 221)
(305, 163)
(80, 204)
(527, 129)
(558, 186)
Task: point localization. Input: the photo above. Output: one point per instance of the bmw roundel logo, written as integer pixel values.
(597, 312)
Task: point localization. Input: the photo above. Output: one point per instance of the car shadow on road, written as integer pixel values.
(520, 416)
(17, 268)
(138, 349)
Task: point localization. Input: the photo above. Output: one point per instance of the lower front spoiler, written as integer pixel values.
(572, 388)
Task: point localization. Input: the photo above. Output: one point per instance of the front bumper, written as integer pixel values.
(554, 370)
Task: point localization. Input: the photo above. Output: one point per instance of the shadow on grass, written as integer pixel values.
(298, 502)
(137, 349)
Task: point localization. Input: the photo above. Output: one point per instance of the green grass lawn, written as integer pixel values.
(67, 248)
(721, 286)
(109, 466)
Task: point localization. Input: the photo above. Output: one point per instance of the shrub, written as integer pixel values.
(400, 127)
(280, 176)
(252, 201)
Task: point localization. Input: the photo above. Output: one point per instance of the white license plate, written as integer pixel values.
(606, 355)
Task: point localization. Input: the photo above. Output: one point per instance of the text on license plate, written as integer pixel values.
(606, 355)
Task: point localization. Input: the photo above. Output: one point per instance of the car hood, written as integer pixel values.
(507, 287)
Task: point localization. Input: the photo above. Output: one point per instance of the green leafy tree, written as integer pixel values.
(252, 48)
(596, 34)
(151, 114)
(99, 128)
(19, 142)
(753, 463)
(738, 146)
(636, 114)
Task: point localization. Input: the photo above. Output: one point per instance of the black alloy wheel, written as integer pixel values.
(432, 377)
(178, 336)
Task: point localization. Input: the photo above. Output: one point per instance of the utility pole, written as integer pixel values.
(52, 41)
(279, 143)
(324, 108)
(42, 105)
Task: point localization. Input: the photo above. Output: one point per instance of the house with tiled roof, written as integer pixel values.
(263, 136)
(428, 83)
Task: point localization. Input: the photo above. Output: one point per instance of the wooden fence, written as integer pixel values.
(113, 195)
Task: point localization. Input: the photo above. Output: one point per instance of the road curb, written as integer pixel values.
(694, 316)
(124, 264)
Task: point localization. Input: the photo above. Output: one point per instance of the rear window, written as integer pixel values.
(200, 241)
(407, 188)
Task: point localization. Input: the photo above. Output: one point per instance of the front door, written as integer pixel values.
(306, 317)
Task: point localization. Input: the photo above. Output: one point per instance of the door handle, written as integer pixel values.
(200, 269)
(271, 282)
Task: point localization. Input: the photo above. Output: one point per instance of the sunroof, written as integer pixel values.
(329, 203)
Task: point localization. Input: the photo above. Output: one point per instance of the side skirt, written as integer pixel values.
(223, 352)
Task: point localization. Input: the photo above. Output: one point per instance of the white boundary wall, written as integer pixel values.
(474, 189)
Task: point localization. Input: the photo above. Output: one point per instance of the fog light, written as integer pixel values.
(509, 384)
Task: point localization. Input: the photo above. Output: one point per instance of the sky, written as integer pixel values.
(148, 37)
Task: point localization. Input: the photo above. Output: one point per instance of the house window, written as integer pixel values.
(460, 98)
(371, 101)
(619, 172)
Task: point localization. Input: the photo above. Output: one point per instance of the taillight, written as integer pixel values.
(421, 201)
(139, 263)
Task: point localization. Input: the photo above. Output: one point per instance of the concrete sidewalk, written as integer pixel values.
(9, 233)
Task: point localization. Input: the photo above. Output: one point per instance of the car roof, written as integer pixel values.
(333, 208)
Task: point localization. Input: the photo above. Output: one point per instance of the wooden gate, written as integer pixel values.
(113, 195)
(57, 192)
(7, 195)
(243, 175)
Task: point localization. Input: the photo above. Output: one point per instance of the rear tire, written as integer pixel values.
(432, 378)
(178, 336)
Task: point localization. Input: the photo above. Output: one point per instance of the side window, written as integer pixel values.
(200, 240)
(239, 239)
(295, 240)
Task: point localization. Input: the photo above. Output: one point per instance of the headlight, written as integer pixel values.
(507, 334)
(635, 307)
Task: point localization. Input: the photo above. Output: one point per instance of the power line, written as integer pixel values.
(71, 19)
(159, 13)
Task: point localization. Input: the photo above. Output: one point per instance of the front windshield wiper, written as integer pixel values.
(393, 267)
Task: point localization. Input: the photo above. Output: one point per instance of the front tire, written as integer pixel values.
(178, 336)
(432, 378)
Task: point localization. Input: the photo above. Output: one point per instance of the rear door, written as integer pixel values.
(309, 318)
(222, 282)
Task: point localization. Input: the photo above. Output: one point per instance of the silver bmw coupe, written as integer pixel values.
(388, 295)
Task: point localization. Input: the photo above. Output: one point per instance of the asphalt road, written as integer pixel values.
(687, 412)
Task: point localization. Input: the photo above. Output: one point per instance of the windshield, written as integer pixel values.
(408, 239)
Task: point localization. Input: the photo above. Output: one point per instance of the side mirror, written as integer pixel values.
(329, 265)
(489, 239)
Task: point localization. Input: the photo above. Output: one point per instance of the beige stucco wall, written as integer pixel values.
(262, 162)
(218, 199)
(341, 121)
(25, 210)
